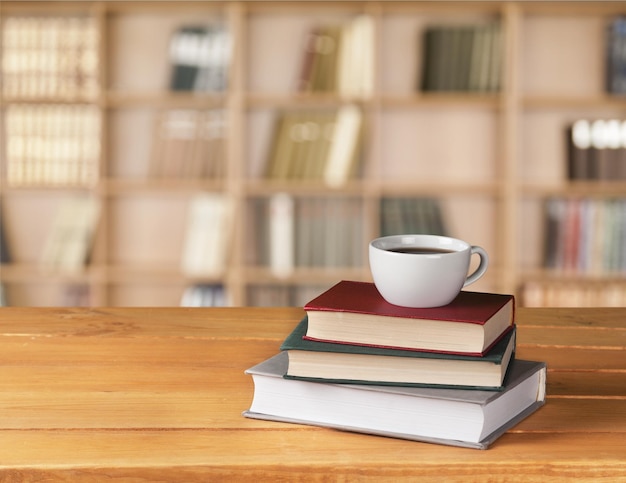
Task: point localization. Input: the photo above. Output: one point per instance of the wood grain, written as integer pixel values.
(143, 394)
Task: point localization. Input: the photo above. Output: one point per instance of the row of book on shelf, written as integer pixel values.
(295, 232)
(282, 294)
(411, 215)
(574, 293)
(289, 232)
(50, 57)
(68, 245)
(80, 295)
(60, 144)
(52, 144)
(57, 144)
(189, 143)
(338, 58)
(446, 375)
(68, 295)
(462, 58)
(200, 57)
(585, 236)
(59, 57)
(316, 145)
(596, 150)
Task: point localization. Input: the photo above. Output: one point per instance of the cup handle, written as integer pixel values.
(482, 267)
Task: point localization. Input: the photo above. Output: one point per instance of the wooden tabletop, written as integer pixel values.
(157, 394)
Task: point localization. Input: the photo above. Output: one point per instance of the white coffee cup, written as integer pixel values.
(423, 270)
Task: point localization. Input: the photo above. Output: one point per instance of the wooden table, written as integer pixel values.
(157, 394)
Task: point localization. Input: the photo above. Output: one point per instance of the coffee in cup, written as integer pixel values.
(423, 270)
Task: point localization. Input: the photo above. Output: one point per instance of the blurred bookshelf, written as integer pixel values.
(244, 153)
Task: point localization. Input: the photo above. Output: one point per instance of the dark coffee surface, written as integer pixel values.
(420, 250)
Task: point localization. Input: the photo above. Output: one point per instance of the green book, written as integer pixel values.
(357, 364)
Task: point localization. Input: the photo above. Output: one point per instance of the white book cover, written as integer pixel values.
(207, 239)
(458, 417)
(69, 241)
(344, 145)
(282, 234)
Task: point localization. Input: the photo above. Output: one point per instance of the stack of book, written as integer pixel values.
(444, 375)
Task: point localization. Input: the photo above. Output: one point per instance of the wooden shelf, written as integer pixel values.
(591, 189)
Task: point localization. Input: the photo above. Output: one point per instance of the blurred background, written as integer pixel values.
(244, 153)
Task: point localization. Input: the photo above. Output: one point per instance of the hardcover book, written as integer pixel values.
(455, 417)
(353, 312)
(353, 364)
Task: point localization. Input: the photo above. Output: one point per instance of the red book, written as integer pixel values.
(355, 313)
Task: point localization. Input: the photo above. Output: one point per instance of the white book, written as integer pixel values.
(458, 417)
(282, 234)
(355, 74)
(69, 242)
(344, 145)
(207, 238)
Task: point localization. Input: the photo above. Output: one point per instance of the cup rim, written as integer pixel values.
(454, 243)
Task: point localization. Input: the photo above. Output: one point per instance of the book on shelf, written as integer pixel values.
(76, 295)
(344, 146)
(204, 295)
(316, 145)
(458, 417)
(565, 293)
(338, 58)
(353, 312)
(616, 56)
(356, 58)
(585, 236)
(200, 57)
(50, 57)
(411, 215)
(281, 234)
(188, 143)
(68, 245)
(52, 144)
(296, 232)
(5, 252)
(355, 364)
(461, 58)
(206, 244)
(596, 150)
(281, 295)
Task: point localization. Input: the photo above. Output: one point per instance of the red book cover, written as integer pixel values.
(364, 298)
